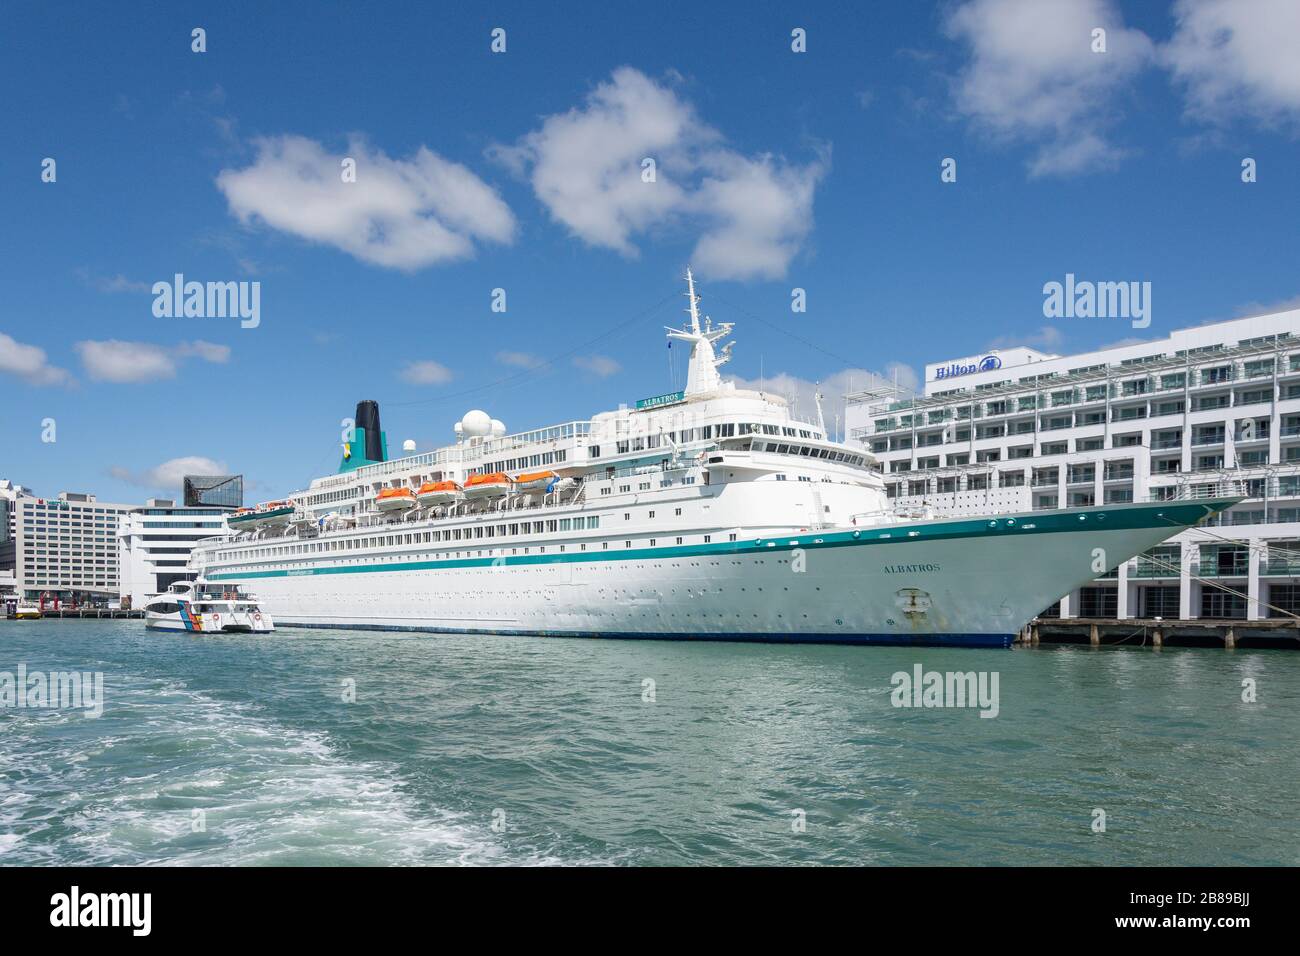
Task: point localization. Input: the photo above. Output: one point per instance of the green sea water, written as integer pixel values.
(511, 750)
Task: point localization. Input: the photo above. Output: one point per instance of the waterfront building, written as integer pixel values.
(155, 541)
(9, 493)
(213, 491)
(1024, 430)
(65, 547)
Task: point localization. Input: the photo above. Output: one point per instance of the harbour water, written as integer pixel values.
(507, 750)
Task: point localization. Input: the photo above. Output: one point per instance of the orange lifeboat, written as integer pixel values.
(439, 493)
(535, 482)
(395, 499)
(492, 485)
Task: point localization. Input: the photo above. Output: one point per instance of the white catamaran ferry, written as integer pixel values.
(710, 513)
(205, 608)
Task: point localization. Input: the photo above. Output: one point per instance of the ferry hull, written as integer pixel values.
(956, 582)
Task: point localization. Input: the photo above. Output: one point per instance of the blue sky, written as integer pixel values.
(522, 171)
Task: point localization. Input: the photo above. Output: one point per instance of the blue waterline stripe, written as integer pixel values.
(897, 640)
(1123, 518)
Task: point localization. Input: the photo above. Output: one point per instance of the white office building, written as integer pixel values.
(155, 541)
(65, 548)
(1020, 430)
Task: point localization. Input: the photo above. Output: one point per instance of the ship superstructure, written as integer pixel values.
(713, 512)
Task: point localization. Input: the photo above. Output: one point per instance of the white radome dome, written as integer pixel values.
(476, 423)
(408, 445)
(498, 428)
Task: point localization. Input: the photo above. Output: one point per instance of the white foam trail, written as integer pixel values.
(124, 789)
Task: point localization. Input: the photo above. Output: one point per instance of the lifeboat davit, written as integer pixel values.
(439, 493)
(535, 482)
(395, 499)
(492, 485)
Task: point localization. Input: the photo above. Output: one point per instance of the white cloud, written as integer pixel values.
(520, 359)
(1237, 59)
(752, 213)
(208, 351)
(1047, 337)
(113, 283)
(29, 363)
(1267, 308)
(169, 475)
(400, 214)
(1033, 76)
(800, 391)
(602, 366)
(121, 362)
(425, 372)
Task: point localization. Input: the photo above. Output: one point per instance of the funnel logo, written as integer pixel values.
(988, 363)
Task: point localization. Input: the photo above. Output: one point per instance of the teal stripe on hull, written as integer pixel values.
(1115, 518)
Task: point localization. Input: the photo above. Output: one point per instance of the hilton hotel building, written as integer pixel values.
(1023, 430)
(65, 547)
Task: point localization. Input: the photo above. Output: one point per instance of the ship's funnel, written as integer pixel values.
(367, 419)
(369, 444)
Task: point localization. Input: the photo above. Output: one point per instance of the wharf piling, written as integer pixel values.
(1112, 632)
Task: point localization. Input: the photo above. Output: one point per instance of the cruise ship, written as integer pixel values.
(710, 513)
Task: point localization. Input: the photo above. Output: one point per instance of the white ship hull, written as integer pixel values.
(969, 582)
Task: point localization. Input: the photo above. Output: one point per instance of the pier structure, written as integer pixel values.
(1125, 632)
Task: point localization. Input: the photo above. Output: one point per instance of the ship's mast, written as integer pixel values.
(702, 371)
(694, 301)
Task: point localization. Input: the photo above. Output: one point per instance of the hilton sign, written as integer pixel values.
(987, 364)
